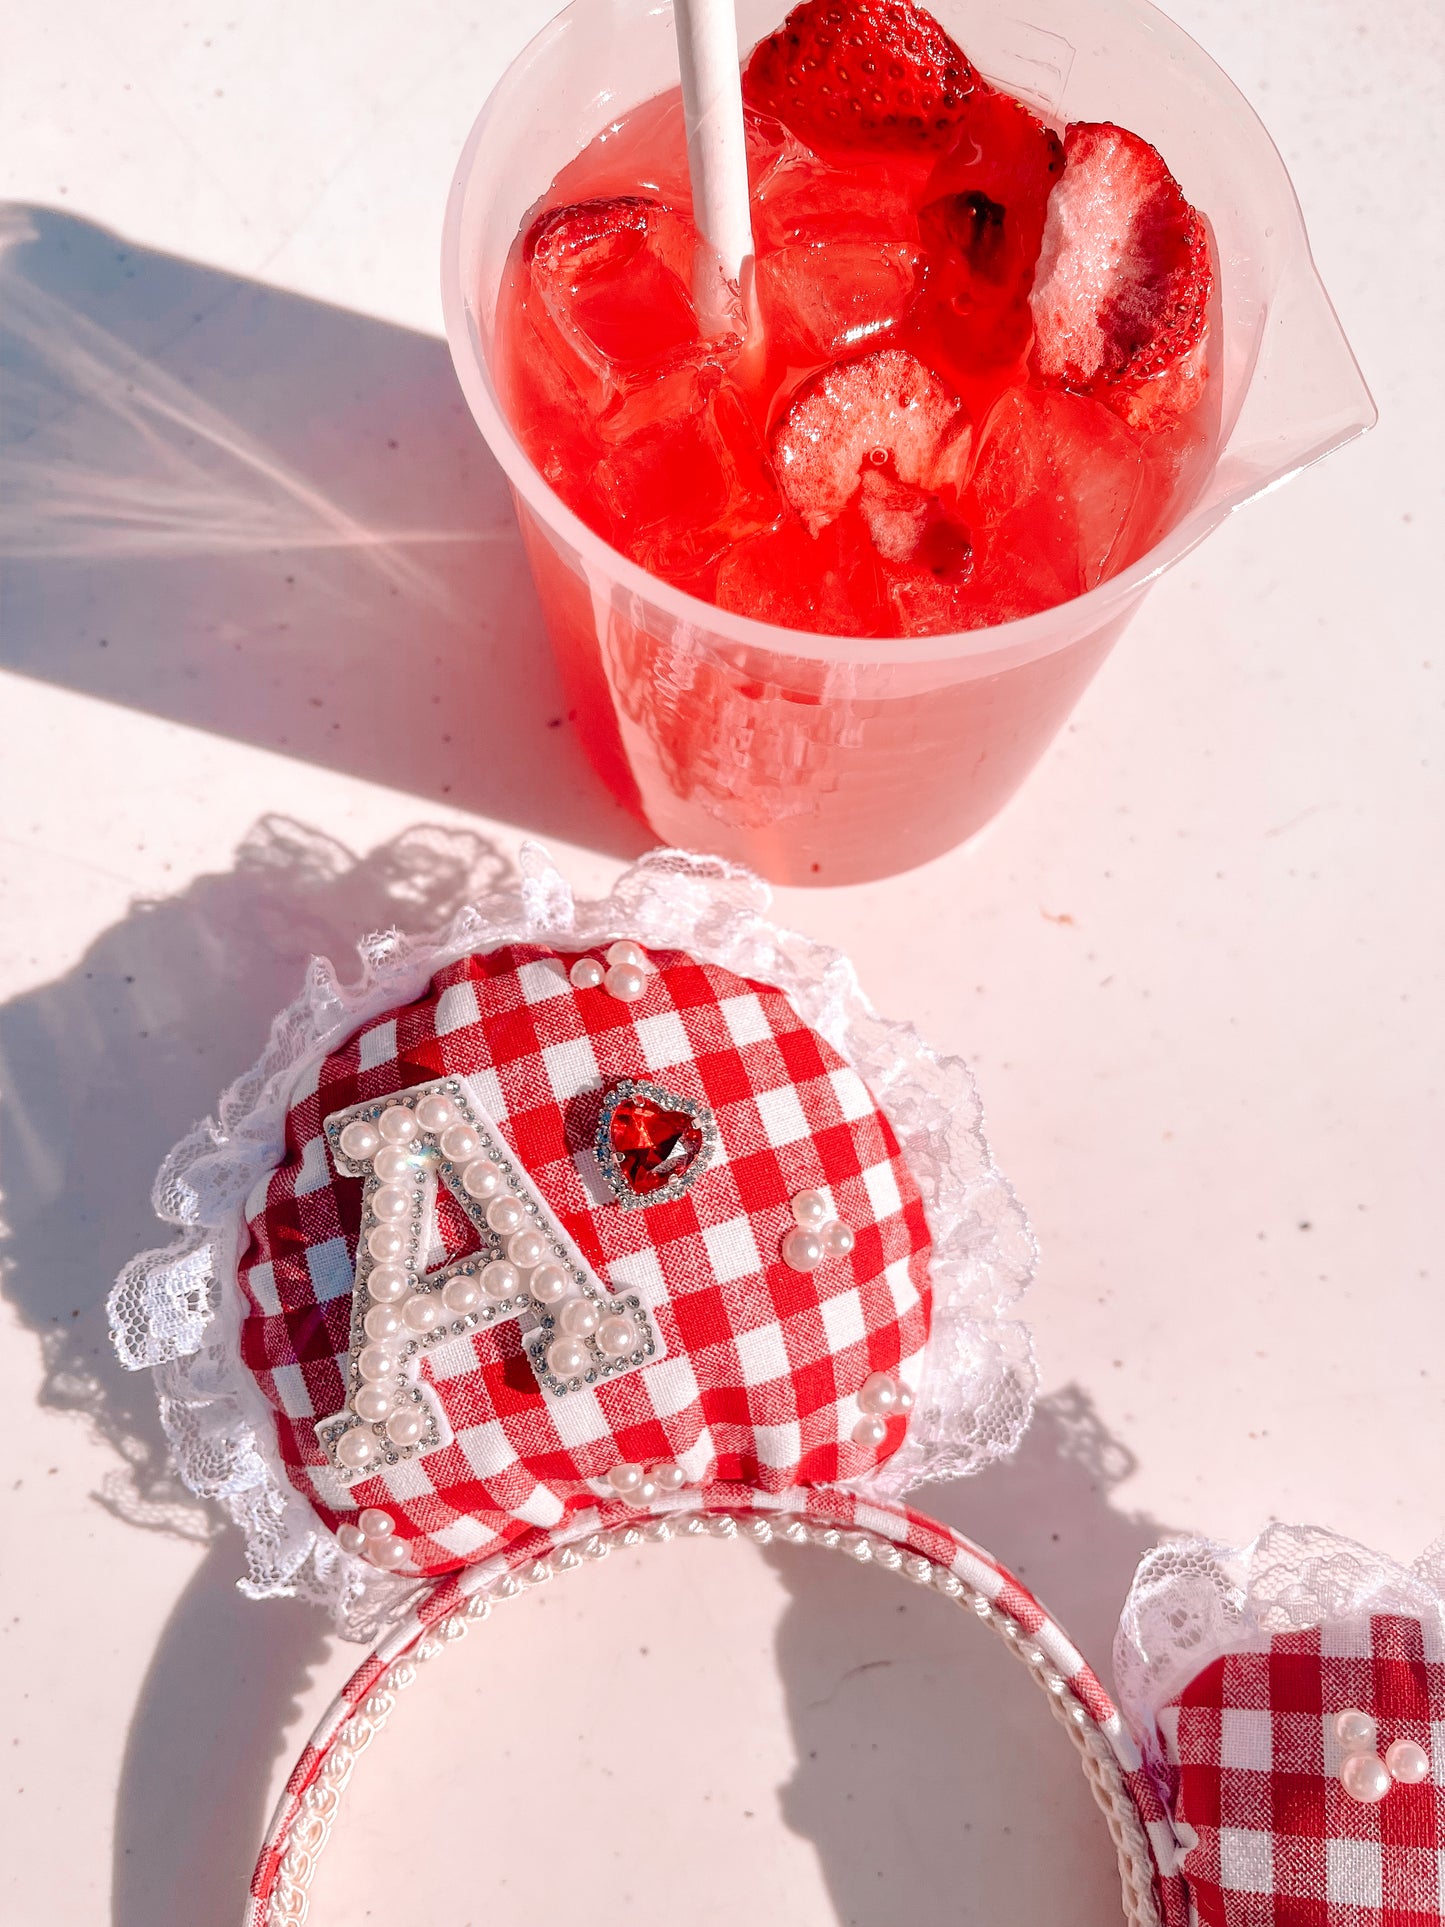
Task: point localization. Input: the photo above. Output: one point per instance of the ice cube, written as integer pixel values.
(687, 486)
(609, 292)
(803, 200)
(1052, 493)
(822, 299)
(833, 583)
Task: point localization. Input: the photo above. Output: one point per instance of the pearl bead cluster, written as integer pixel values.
(880, 1397)
(640, 1485)
(623, 977)
(373, 1537)
(816, 1235)
(402, 1148)
(1363, 1774)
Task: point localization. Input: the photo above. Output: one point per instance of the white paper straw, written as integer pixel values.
(712, 99)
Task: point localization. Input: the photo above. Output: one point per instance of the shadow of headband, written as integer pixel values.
(584, 1225)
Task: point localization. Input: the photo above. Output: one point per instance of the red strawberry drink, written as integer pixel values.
(825, 577)
(973, 381)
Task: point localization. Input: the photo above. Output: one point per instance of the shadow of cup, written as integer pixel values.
(270, 518)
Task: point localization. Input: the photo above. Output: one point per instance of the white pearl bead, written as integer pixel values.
(376, 1361)
(586, 973)
(616, 1337)
(905, 1398)
(1355, 1730)
(398, 1124)
(1408, 1762)
(626, 983)
(393, 1164)
(373, 1403)
(526, 1248)
(548, 1284)
(1365, 1777)
(481, 1179)
(375, 1523)
(670, 1478)
(870, 1431)
(625, 1478)
(505, 1216)
(500, 1280)
(386, 1553)
(812, 1210)
(406, 1426)
(388, 1284)
(624, 951)
(461, 1294)
(390, 1203)
(360, 1140)
(645, 1493)
(566, 1358)
(838, 1239)
(803, 1250)
(350, 1539)
(579, 1317)
(424, 1312)
(879, 1393)
(356, 1448)
(382, 1322)
(386, 1241)
(435, 1113)
(460, 1143)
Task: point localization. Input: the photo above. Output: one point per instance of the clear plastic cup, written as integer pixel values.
(830, 759)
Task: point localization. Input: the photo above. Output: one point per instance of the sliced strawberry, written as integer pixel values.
(885, 409)
(861, 73)
(911, 525)
(1123, 282)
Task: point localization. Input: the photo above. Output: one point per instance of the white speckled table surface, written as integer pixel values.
(1197, 965)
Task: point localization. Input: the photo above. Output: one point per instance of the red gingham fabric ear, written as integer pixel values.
(1291, 1699)
(762, 1364)
(885, 1354)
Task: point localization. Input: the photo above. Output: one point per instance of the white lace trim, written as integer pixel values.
(1194, 1600)
(178, 1310)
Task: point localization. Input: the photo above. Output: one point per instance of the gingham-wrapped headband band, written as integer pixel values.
(588, 1223)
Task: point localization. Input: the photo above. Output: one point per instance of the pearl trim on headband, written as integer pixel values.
(527, 1268)
(290, 1891)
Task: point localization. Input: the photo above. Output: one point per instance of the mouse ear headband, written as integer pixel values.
(581, 1224)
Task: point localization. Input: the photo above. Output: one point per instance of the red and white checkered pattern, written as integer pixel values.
(912, 1532)
(1280, 1842)
(763, 1363)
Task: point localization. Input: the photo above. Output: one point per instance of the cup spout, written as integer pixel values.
(1307, 395)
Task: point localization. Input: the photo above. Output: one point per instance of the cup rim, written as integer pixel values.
(993, 647)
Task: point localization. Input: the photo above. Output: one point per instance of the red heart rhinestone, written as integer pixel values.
(653, 1145)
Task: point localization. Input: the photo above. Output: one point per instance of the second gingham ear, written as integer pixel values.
(1291, 1699)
